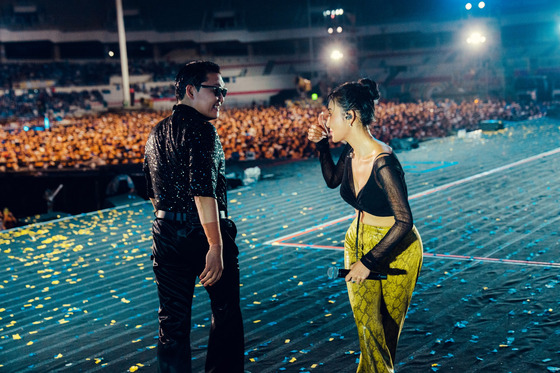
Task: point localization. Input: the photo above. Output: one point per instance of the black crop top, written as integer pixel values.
(384, 194)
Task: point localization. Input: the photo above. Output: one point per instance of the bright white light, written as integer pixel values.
(111, 54)
(330, 30)
(336, 55)
(468, 6)
(476, 38)
(481, 4)
(333, 13)
(339, 29)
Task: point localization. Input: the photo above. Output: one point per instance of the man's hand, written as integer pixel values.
(209, 218)
(214, 266)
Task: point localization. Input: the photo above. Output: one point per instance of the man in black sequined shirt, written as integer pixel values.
(185, 172)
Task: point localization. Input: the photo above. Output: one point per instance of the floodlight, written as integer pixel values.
(336, 55)
(481, 4)
(468, 6)
(476, 38)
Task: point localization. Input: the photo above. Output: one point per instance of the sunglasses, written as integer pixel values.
(217, 90)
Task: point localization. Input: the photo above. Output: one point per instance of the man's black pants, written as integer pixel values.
(179, 257)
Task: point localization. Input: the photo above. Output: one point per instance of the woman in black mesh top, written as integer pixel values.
(382, 238)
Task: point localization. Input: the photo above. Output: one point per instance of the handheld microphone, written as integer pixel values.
(334, 272)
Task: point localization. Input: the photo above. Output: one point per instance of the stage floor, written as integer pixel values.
(78, 294)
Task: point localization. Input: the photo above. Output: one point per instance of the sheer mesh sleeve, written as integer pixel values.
(331, 173)
(390, 178)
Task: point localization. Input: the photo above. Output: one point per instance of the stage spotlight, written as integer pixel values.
(336, 55)
(476, 38)
(332, 13)
(481, 4)
(468, 6)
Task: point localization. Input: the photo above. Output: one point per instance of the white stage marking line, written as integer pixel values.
(485, 173)
(278, 241)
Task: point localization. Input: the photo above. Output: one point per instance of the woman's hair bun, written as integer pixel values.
(371, 86)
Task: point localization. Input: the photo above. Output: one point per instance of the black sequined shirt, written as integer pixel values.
(183, 159)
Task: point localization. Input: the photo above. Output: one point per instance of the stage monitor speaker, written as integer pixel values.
(404, 144)
(491, 125)
(121, 200)
(553, 112)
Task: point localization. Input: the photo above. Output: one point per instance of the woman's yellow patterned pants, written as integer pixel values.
(380, 306)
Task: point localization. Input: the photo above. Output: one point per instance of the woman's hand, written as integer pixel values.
(318, 131)
(358, 273)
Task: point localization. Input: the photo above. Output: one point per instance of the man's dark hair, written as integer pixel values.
(194, 73)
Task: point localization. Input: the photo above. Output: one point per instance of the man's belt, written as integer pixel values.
(182, 217)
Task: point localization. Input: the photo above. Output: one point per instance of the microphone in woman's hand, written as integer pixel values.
(334, 272)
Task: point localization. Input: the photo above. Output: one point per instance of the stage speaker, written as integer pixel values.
(491, 125)
(553, 112)
(121, 200)
(404, 144)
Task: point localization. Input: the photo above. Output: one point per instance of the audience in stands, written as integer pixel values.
(247, 133)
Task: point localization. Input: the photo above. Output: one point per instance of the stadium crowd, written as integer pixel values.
(252, 133)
